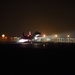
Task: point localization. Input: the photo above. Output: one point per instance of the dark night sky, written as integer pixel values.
(46, 16)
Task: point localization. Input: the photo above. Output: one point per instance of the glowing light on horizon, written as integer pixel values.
(6, 37)
(3, 35)
(23, 40)
(44, 35)
(68, 36)
(56, 36)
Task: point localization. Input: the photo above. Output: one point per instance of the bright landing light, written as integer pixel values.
(23, 40)
(35, 38)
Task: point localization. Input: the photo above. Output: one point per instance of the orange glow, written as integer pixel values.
(68, 36)
(3, 35)
(44, 35)
(56, 36)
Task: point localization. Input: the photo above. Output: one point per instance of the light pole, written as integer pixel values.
(56, 38)
(68, 36)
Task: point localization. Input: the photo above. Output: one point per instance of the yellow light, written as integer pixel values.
(44, 35)
(68, 36)
(56, 36)
(3, 35)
